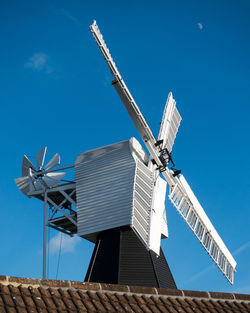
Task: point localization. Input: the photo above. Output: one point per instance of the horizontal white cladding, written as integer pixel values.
(113, 189)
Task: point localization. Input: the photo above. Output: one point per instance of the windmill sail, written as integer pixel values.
(23, 183)
(122, 89)
(170, 123)
(193, 214)
(33, 180)
(127, 99)
(181, 195)
(26, 166)
(53, 162)
(40, 157)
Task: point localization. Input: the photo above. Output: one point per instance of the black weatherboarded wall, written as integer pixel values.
(120, 257)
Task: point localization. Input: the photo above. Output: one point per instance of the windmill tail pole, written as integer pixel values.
(45, 235)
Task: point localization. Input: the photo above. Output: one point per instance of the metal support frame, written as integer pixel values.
(62, 211)
(45, 235)
(60, 208)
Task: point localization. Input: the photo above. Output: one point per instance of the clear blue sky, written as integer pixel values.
(56, 91)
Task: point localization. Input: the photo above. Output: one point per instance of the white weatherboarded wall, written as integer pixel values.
(114, 188)
(105, 179)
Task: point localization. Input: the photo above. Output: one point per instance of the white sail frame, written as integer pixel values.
(181, 196)
(170, 123)
(186, 203)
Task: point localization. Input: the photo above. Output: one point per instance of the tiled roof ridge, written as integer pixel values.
(121, 289)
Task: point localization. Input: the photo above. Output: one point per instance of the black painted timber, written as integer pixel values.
(119, 257)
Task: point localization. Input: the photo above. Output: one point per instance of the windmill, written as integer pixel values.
(42, 183)
(180, 193)
(41, 178)
(117, 199)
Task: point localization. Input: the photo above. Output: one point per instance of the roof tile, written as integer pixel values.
(85, 286)
(195, 294)
(99, 306)
(56, 298)
(183, 305)
(221, 295)
(115, 302)
(145, 308)
(232, 306)
(102, 296)
(153, 305)
(87, 302)
(180, 305)
(37, 298)
(199, 303)
(4, 289)
(29, 303)
(14, 290)
(54, 283)
(18, 301)
(173, 301)
(77, 301)
(169, 292)
(20, 310)
(130, 299)
(167, 304)
(21, 280)
(247, 306)
(242, 297)
(1, 302)
(139, 289)
(117, 288)
(7, 299)
(139, 299)
(67, 300)
(108, 303)
(96, 301)
(11, 310)
(240, 306)
(209, 305)
(147, 304)
(24, 291)
(161, 307)
(40, 296)
(92, 295)
(190, 305)
(124, 304)
(224, 305)
(136, 308)
(46, 296)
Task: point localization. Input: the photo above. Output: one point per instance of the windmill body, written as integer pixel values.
(119, 194)
(114, 188)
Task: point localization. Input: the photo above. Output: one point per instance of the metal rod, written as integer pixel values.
(68, 197)
(55, 169)
(45, 235)
(59, 187)
(63, 212)
(61, 230)
(60, 168)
